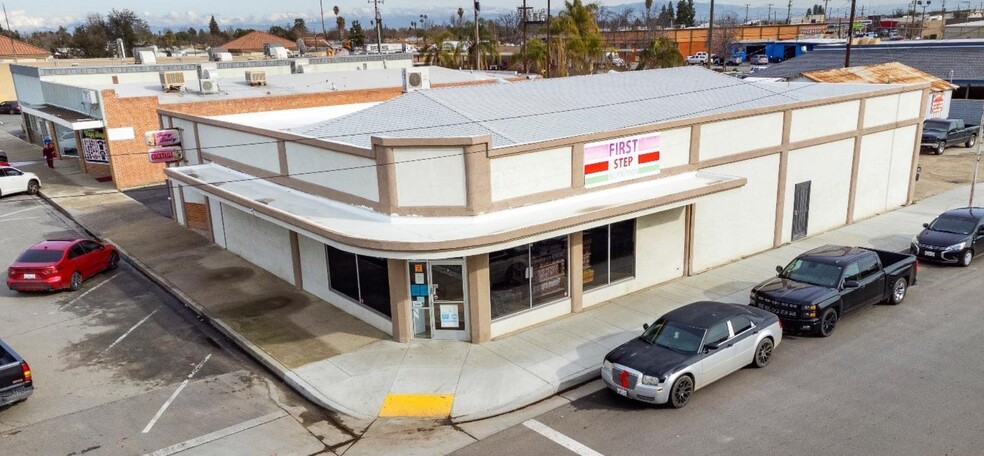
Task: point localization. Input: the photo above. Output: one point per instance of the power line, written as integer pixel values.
(351, 168)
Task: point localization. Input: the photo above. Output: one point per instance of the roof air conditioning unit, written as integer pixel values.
(302, 69)
(299, 63)
(255, 78)
(208, 73)
(209, 86)
(210, 67)
(172, 80)
(415, 79)
(144, 57)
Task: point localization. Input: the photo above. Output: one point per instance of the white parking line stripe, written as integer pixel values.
(560, 439)
(19, 218)
(130, 331)
(77, 298)
(18, 212)
(221, 433)
(175, 395)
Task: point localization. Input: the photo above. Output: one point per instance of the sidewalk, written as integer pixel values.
(345, 365)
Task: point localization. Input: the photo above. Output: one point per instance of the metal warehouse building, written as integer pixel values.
(471, 212)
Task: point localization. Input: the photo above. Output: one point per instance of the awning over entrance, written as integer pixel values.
(367, 232)
(64, 117)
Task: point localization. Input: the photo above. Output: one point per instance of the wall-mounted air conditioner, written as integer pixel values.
(415, 79)
(210, 67)
(255, 78)
(296, 65)
(90, 97)
(172, 80)
(209, 85)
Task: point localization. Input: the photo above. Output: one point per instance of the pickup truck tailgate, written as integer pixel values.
(15, 377)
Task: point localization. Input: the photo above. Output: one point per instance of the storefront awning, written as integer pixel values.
(409, 237)
(64, 117)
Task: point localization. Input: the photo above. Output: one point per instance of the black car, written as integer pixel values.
(954, 237)
(10, 107)
(16, 382)
(688, 348)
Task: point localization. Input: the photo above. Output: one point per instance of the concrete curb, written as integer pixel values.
(541, 394)
(274, 366)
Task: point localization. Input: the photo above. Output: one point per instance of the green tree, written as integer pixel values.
(649, 17)
(90, 39)
(213, 27)
(126, 25)
(356, 35)
(300, 28)
(445, 51)
(282, 32)
(579, 42)
(685, 13)
(536, 55)
(660, 53)
(340, 25)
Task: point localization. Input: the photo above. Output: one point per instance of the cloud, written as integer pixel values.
(20, 20)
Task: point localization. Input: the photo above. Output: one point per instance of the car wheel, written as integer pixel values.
(966, 258)
(32, 187)
(940, 147)
(970, 142)
(114, 261)
(682, 389)
(828, 322)
(76, 281)
(899, 289)
(763, 354)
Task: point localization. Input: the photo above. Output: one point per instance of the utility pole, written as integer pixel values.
(324, 31)
(768, 16)
(789, 12)
(746, 14)
(977, 164)
(710, 36)
(379, 26)
(825, 16)
(524, 15)
(478, 50)
(11, 32)
(850, 35)
(943, 16)
(548, 38)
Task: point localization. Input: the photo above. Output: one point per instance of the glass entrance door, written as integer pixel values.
(439, 300)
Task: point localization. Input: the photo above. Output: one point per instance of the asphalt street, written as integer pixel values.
(892, 380)
(121, 367)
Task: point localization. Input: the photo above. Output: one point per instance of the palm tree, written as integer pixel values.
(536, 55)
(461, 16)
(649, 18)
(340, 24)
(442, 52)
(660, 53)
(579, 42)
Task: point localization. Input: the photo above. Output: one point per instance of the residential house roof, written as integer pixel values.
(15, 48)
(544, 110)
(882, 73)
(254, 41)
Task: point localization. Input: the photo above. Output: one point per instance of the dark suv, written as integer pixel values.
(10, 107)
(954, 237)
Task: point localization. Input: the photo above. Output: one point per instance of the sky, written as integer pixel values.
(29, 15)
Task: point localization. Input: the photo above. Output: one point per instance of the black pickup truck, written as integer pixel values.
(15, 376)
(939, 133)
(820, 286)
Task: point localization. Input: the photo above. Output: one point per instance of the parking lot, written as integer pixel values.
(121, 367)
(902, 380)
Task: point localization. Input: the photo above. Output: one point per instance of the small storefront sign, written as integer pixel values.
(621, 159)
(163, 138)
(449, 316)
(165, 154)
(94, 146)
(937, 105)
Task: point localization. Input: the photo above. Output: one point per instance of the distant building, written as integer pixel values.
(965, 30)
(12, 50)
(252, 43)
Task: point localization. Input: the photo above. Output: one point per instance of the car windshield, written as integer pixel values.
(674, 336)
(953, 225)
(40, 256)
(812, 272)
(936, 126)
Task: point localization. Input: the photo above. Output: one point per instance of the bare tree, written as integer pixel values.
(726, 33)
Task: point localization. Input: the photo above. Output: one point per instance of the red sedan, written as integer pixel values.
(57, 265)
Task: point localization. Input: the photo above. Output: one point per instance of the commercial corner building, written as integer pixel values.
(469, 213)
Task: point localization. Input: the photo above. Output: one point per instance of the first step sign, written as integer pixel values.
(166, 145)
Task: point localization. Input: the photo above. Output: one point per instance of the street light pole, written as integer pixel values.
(710, 36)
(478, 51)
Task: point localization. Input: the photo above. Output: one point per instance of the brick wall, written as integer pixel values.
(196, 217)
(128, 158)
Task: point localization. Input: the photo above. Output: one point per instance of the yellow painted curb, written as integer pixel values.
(417, 405)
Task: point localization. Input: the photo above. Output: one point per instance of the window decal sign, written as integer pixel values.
(621, 159)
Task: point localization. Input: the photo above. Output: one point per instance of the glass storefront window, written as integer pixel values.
(524, 277)
(67, 144)
(362, 278)
(609, 254)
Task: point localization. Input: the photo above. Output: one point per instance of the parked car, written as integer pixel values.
(10, 107)
(61, 264)
(699, 58)
(939, 133)
(760, 59)
(822, 285)
(953, 237)
(13, 180)
(16, 382)
(689, 348)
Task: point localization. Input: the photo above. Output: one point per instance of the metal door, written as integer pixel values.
(439, 300)
(801, 209)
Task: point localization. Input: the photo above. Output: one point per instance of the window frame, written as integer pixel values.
(734, 331)
(728, 333)
(608, 259)
(529, 278)
(358, 281)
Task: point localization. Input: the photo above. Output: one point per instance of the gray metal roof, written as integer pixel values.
(968, 110)
(536, 111)
(965, 62)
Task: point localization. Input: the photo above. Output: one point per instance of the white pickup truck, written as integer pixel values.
(699, 58)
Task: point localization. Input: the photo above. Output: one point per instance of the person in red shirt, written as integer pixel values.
(49, 152)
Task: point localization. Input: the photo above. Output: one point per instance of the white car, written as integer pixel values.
(13, 180)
